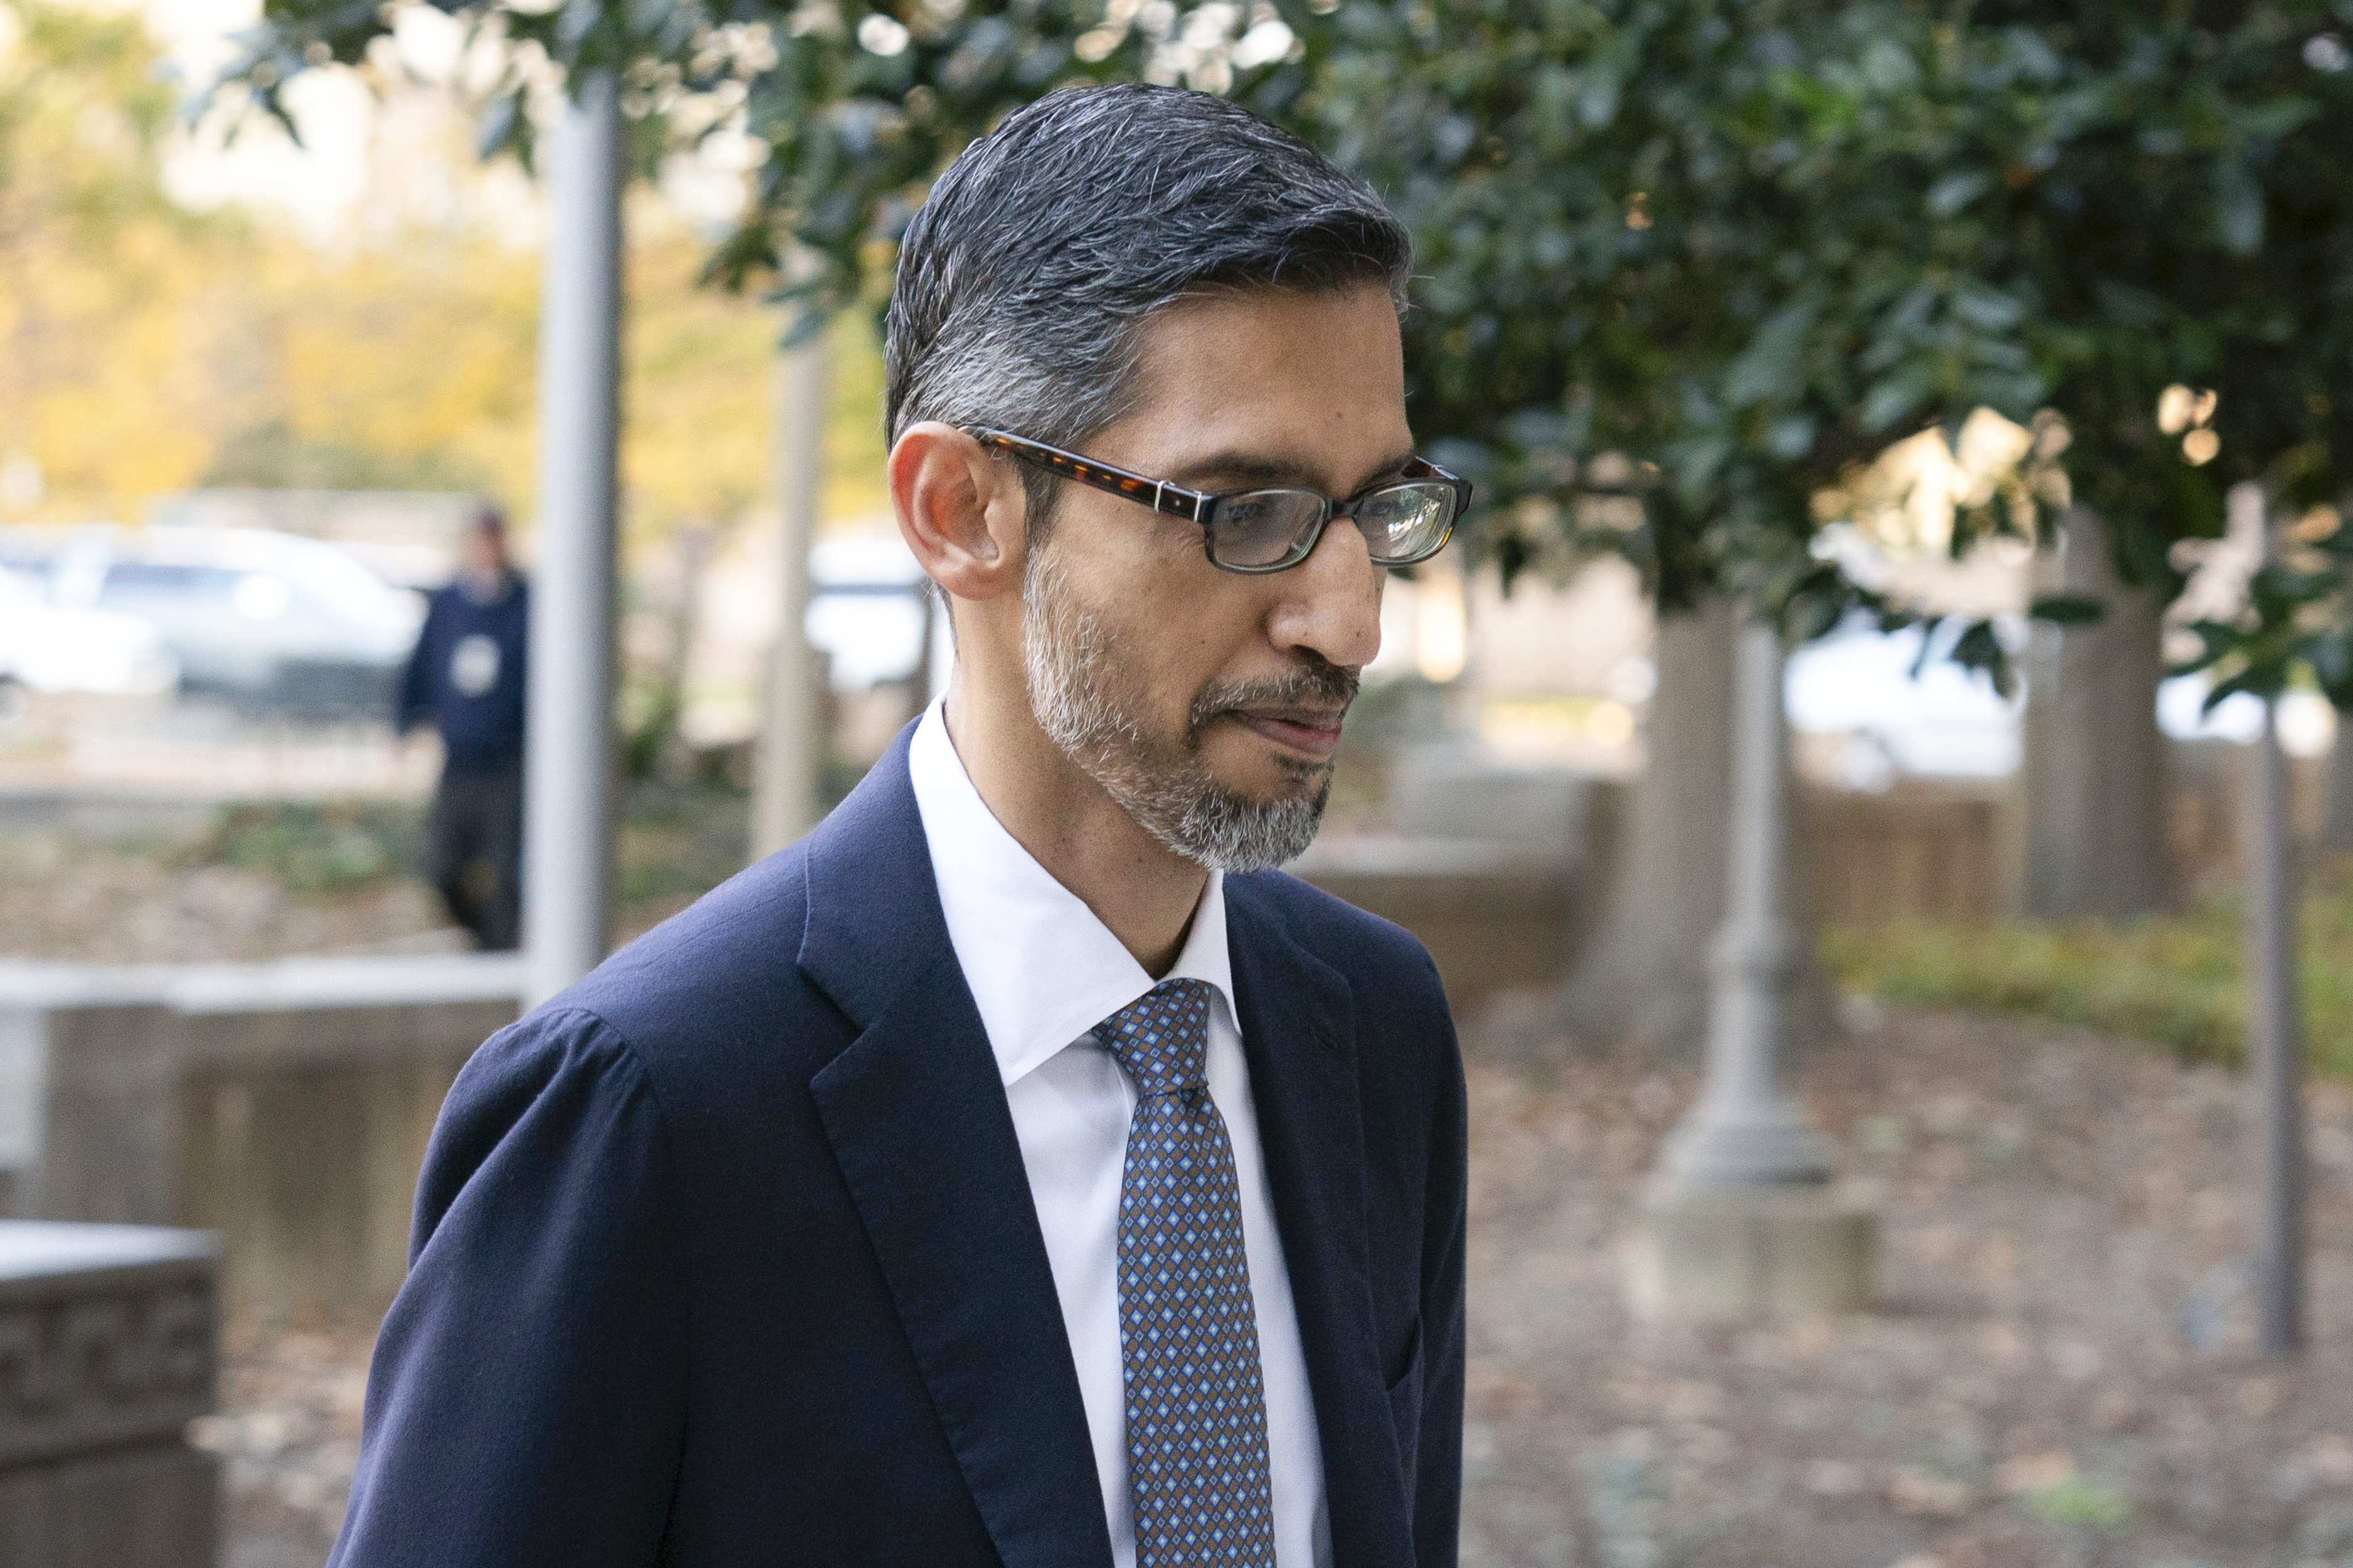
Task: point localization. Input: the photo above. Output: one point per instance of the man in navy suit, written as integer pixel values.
(466, 678)
(1019, 1170)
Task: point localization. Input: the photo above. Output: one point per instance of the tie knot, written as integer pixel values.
(1161, 1037)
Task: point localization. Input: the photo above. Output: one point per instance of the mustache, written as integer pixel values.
(1318, 683)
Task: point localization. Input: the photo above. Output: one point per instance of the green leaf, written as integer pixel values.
(1889, 401)
(2239, 212)
(1955, 191)
(2068, 609)
(1988, 310)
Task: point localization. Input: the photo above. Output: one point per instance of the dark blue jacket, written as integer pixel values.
(481, 730)
(726, 1256)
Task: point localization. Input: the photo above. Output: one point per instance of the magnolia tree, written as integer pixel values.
(1713, 253)
(2185, 241)
(2196, 237)
(1709, 257)
(2181, 246)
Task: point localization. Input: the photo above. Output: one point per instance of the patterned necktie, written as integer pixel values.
(1189, 1336)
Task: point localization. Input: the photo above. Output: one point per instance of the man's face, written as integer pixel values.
(484, 551)
(1206, 703)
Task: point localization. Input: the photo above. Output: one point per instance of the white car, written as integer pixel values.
(49, 647)
(867, 611)
(273, 619)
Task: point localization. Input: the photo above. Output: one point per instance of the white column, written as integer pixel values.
(785, 794)
(2274, 1020)
(1743, 1130)
(568, 799)
(2274, 1046)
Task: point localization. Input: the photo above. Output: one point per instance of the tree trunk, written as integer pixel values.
(2095, 764)
(2337, 827)
(790, 758)
(1645, 972)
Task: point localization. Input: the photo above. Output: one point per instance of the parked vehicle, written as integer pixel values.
(48, 649)
(265, 619)
(867, 612)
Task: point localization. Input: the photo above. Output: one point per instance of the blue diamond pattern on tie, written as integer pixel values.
(1188, 1334)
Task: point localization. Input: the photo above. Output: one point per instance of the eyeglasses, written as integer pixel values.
(1404, 519)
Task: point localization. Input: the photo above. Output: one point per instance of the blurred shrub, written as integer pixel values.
(315, 849)
(676, 841)
(679, 841)
(2174, 981)
(2081, 1501)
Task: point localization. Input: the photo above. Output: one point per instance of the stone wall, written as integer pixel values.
(1493, 917)
(286, 1105)
(106, 1355)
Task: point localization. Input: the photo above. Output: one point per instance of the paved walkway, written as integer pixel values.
(2059, 1372)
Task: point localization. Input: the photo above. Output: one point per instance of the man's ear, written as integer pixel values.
(960, 510)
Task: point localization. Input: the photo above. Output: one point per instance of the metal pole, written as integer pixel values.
(2274, 1046)
(785, 796)
(567, 820)
(1743, 1130)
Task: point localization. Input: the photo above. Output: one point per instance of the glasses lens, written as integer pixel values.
(1263, 528)
(1405, 523)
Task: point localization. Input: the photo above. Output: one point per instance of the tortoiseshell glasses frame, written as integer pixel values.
(1271, 528)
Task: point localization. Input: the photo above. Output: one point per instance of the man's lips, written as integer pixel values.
(1313, 730)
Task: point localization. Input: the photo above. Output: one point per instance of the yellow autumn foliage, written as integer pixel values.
(105, 314)
(145, 349)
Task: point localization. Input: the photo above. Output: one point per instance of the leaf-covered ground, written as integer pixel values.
(2172, 979)
(2059, 1372)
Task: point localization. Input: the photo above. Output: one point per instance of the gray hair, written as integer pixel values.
(1025, 277)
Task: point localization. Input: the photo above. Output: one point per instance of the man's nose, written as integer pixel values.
(1331, 602)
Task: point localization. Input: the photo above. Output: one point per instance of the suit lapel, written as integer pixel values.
(915, 1112)
(1295, 1012)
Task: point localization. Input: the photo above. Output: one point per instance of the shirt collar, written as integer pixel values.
(1041, 968)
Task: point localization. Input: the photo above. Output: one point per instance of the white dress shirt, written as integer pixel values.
(1044, 972)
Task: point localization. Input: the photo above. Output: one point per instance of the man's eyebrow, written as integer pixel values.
(1232, 469)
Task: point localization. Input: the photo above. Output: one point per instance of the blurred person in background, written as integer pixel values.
(466, 678)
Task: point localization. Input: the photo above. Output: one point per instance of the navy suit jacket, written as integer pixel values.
(726, 1256)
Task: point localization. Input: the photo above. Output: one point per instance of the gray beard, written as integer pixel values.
(1087, 700)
